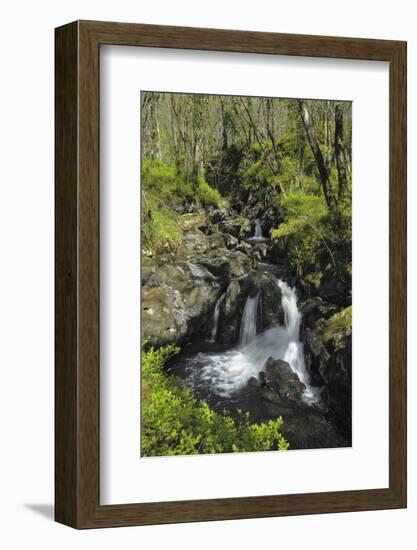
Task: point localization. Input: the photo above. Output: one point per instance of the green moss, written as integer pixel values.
(314, 278)
(337, 323)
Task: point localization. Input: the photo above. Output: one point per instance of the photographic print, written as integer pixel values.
(246, 266)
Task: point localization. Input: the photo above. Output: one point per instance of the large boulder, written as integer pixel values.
(282, 380)
(177, 300)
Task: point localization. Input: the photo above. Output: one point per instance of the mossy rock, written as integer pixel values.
(338, 324)
(187, 222)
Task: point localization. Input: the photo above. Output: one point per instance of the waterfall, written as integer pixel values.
(294, 354)
(248, 324)
(229, 371)
(257, 237)
(292, 317)
(216, 318)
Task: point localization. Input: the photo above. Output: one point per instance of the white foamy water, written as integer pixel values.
(227, 372)
(258, 236)
(258, 229)
(249, 321)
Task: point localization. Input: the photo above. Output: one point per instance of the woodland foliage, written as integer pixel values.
(285, 156)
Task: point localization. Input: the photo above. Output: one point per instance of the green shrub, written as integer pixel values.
(318, 242)
(206, 195)
(302, 230)
(258, 178)
(158, 178)
(174, 422)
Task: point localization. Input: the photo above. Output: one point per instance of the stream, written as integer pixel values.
(220, 375)
(225, 373)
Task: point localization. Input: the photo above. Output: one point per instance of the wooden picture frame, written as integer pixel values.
(77, 382)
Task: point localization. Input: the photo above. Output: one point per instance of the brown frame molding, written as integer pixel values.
(77, 359)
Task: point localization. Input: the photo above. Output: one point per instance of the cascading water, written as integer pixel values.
(258, 228)
(248, 324)
(294, 354)
(227, 372)
(216, 318)
(257, 237)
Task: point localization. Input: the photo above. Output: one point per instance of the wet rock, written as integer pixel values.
(271, 310)
(280, 378)
(277, 383)
(230, 314)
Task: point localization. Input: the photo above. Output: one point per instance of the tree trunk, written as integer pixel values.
(328, 132)
(224, 130)
(324, 175)
(301, 147)
(340, 157)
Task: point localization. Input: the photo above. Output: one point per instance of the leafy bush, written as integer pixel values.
(302, 230)
(174, 422)
(258, 176)
(206, 195)
(318, 242)
(163, 191)
(162, 183)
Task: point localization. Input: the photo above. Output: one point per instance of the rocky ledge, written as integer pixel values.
(180, 291)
